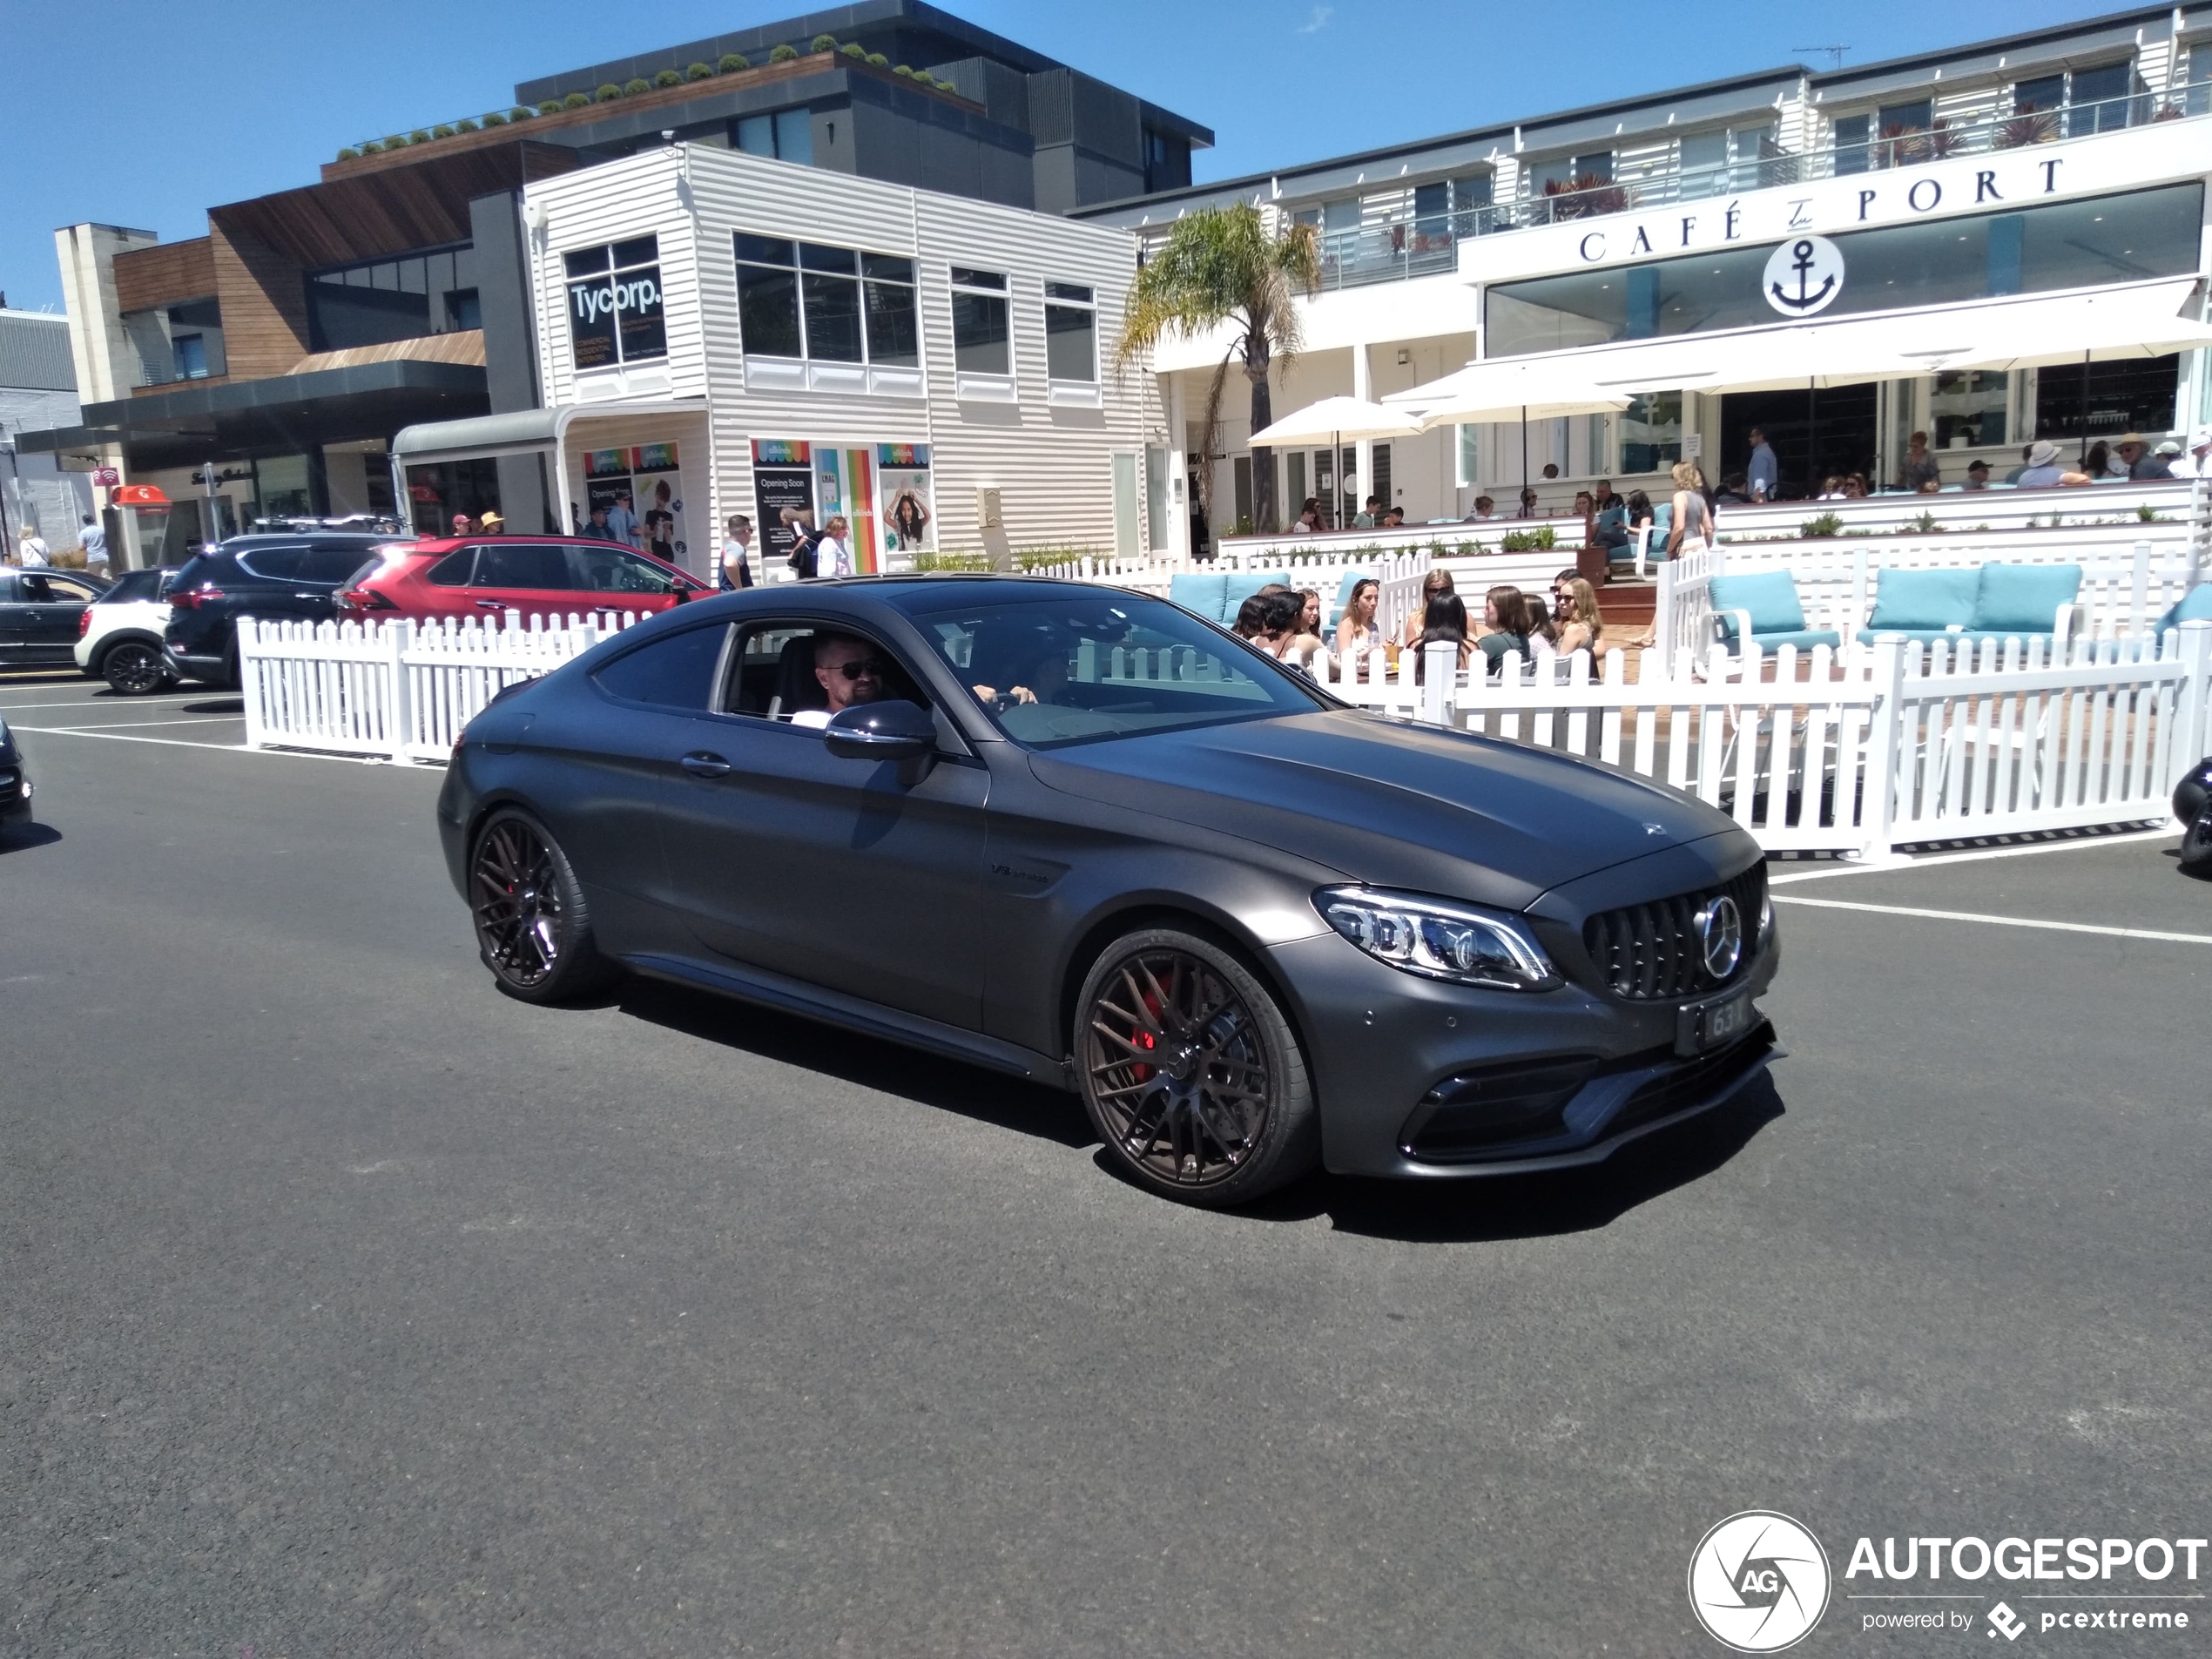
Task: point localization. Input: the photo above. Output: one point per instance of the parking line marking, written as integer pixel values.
(221, 748)
(1980, 852)
(109, 725)
(1999, 921)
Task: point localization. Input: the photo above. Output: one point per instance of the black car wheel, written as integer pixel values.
(134, 668)
(1191, 1074)
(532, 929)
(2196, 846)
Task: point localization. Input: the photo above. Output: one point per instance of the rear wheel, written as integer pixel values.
(134, 668)
(532, 929)
(1189, 1072)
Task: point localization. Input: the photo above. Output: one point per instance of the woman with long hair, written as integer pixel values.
(1693, 531)
(1436, 584)
(1575, 614)
(1357, 632)
(1500, 611)
(1443, 619)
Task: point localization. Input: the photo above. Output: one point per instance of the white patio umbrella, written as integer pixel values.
(1523, 389)
(1333, 420)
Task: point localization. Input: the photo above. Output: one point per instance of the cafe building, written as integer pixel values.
(721, 332)
(1985, 244)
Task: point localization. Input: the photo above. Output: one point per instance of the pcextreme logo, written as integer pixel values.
(1758, 1581)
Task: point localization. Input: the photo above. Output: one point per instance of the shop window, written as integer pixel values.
(614, 304)
(1072, 341)
(1651, 431)
(982, 345)
(386, 300)
(2081, 405)
(827, 318)
(1969, 409)
(191, 357)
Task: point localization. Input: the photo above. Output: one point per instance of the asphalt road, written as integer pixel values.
(348, 1306)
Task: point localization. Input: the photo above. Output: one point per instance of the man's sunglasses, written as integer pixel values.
(863, 668)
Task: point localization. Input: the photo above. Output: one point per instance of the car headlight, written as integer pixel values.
(1440, 938)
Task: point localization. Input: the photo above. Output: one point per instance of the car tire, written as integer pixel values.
(533, 928)
(133, 668)
(2196, 846)
(1228, 1113)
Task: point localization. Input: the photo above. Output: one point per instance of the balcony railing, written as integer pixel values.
(1424, 245)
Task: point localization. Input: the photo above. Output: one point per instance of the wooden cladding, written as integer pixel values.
(400, 210)
(265, 305)
(165, 274)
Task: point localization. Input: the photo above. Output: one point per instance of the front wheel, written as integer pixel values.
(134, 668)
(1191, 1072)
(2197, 844)
(532, 929)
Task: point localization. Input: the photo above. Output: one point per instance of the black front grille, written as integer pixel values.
(1694, 1081)
(1650, 953)
(1489, 1109)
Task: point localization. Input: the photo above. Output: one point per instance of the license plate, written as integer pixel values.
(1708, 1025)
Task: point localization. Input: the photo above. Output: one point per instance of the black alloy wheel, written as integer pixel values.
(1189, 1072)
(532, 930)
(134, 668)
(2196, 846)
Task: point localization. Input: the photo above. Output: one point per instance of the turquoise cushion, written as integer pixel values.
(1238, 586)
(1352, 579)
(1663, 517)
(1770, 597)
(2023, 598)
(1803, 638)
(1907, 600)
(1198, 593)
(2196, 606)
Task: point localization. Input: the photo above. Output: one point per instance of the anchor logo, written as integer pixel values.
(1804, 276)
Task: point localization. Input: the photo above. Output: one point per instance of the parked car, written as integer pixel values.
(486, 575)
(15, 781)
(1081, 835)
(39, 612)
(118, 638)
(2193, 806)
(283, 576)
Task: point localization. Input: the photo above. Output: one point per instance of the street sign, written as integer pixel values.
(106, 477)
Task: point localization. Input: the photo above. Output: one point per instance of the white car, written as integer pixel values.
(121, 641)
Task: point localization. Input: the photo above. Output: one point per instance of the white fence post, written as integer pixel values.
(249, 676)
(2194, 693)
(399, 701)
(1439, 673)
(1883, 762)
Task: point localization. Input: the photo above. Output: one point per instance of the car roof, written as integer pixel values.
(922, 591)
(448, 543)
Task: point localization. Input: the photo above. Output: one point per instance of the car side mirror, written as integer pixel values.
(888, 731)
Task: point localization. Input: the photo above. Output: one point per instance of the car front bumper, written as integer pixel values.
(14, 789)
(1391, 1052)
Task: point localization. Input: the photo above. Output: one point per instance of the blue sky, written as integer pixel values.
(144, 114)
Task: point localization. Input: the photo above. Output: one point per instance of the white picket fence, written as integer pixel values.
(2003, 739)
(401, 690)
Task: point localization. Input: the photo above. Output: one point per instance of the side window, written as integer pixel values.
(452, 572)
(7, 586)
(333, 564)
(607, 569)
(674, 671)
(43, 589)
(273, 564)
(522, 564)
(771, 671)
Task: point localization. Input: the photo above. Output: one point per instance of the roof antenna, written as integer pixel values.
(1834, 52)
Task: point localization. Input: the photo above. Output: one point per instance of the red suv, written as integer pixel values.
(483, 576)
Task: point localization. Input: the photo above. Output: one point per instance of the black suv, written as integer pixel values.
(291, 577)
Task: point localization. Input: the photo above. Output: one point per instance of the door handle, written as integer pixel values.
(491, 605)
(700, 764)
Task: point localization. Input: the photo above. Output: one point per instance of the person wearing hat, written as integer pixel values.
(491, 524)
(462, 526)
(2142, 464)
(1977, 474)
(2163, 458)
(2042, 465)
(2199, 464)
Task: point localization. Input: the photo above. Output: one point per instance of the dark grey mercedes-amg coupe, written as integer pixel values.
(1081, 836)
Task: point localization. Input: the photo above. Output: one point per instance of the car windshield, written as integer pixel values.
(1091, 667)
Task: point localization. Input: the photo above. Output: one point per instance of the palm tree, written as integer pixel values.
(1220, 266)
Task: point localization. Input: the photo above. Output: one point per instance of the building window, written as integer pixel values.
(615, 312)
(788, 135)
(387, 299)
(2079, 405)
(2071, 103)
(1651, 431)
(1071, 338)
(982, 345)
(827, 318)
(192, 357)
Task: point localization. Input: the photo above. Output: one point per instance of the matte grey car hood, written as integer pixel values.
(1390, 804)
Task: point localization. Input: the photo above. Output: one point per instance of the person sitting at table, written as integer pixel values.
(1485, 509)
(1734, 490)
(1358, 632)
(1977, 474)
(1609, 522)
(1855, 486)
(1443, 619)
(1435, 585)
(1309, 518)
(1528, 501)
(2042, 469)
(1394, 518)
(1574, 616)
(1504, 624)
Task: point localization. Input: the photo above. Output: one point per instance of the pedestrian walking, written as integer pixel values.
(833, 553)
(30, 551)
(736, 553)
(93, 540)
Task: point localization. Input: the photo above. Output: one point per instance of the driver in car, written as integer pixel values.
(1042, 682)
(850, 671)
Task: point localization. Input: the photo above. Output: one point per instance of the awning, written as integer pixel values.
(1521, 388)
(1336, 419)
(517, 432)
